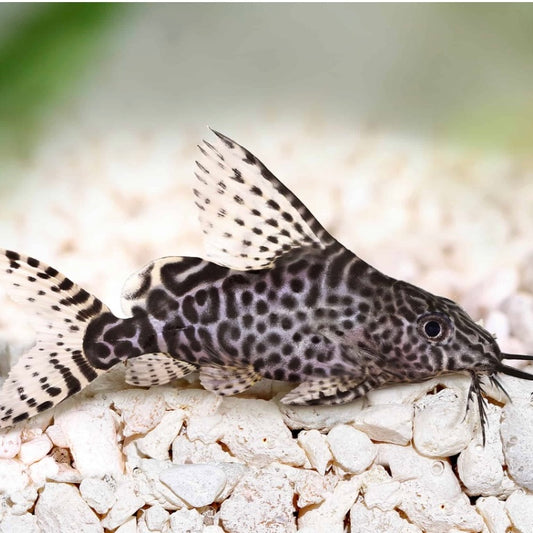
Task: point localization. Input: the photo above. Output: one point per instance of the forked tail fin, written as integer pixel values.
(56, 367)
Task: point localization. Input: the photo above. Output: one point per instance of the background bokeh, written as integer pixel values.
(459, 72)
(359, 108)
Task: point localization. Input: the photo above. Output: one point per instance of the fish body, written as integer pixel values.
(278, 298)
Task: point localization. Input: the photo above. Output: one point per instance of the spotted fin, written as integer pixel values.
(327, 391)
(227, 380)
(248, 216)
(155, 369)
(56, 366)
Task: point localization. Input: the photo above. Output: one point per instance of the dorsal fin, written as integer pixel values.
(248, 216)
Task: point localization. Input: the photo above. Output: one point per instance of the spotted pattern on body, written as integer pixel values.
(278, 297)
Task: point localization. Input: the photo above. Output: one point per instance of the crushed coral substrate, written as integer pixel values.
(180, 459)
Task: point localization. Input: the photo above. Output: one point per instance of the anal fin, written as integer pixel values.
(155, 369)
(228, 380)
(326, 391)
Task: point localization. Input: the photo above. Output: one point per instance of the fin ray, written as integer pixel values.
(326, 391)
(248, 216)
(56, 366)
(155, 369)
(227, 380)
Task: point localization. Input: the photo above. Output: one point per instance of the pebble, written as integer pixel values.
(198, 485)
(140, 410)
(186, 521)
(329, 516)
(13, 476)
(35, 449)
(98, 493)
(519, 507)
(91, 434)
(156, 443)
(10, 442)
(254, 432)
(23, 523)
(363, 520)
(156, 517)
(321, 417)
(317, 449)
(494, 514)
(262, 502)
(440, 427)
(127, 503)
(387, 423)
(351, 448)
(517, 435)
(61, 508)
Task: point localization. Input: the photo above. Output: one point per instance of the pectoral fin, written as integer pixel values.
(327, 391)
(228, 380)
(155, 369)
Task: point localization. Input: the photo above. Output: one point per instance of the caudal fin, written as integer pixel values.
(56, 367)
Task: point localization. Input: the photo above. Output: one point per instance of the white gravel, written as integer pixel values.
(177, 458)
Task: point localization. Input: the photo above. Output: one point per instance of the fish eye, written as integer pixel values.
(434, 327)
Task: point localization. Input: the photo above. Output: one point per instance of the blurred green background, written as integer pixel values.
(460, 73)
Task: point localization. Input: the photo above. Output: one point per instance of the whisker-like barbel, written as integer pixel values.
(517, 357)
(515, 372)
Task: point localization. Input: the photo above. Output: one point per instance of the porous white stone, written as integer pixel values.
(386, 495)
(184, 451)
(493, 512)
(364, 520)
(195, 402)
(440, 427)
(141, 410)
(127, 503)
(403, 393)
(261, 502)
(156, 443)
(99, 493)
(13, 476)
(519, 507)
(10, 442)
(43, 470)
(234, 473)
(156, 517)
(517, 438)
(186, 521)
(431, 495)
(198, 485)
(61, 508)
(329, 515)
(92, 438)
(480, 470)
(150, 488)
(316, 448)
(23, 523)
(351, 448)
(254, 432)
(321, 417)
(56, 435)
(129, 526)
(35, 449)
(387, 423)
(311, 487)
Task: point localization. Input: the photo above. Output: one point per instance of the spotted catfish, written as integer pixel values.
(278, 298)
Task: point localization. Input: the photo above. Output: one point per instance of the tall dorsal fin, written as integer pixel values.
(248, 216)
